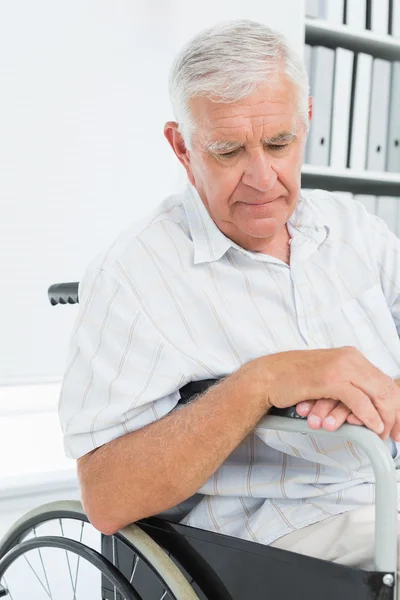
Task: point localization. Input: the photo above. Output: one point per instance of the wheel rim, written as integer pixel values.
(43, 523)
(42, 581)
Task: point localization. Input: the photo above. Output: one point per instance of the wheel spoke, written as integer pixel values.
(79, 558)
(113, 551)
(38, 578)
(45, 572)
(7, 588)
(69, 564)
(135, 564)
(43, 567)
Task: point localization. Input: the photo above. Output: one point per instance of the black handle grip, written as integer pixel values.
(286, 412)
(63, 293)
(190, 390)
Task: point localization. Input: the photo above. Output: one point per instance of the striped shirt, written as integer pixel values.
(174, 300)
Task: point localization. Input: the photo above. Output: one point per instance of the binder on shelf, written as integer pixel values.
(379, 18)
(341, 107)
(368, 201)
(312, 8)
(379, 114)
(360, 112)
(356, 14)
(393, 149)
(332, 11)
(387, 210)
(322, 70)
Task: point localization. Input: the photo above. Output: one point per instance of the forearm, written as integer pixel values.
(157, 467)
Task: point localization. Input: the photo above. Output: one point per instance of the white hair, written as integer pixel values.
(229, 61)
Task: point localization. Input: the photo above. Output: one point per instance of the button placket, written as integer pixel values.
(303, 299)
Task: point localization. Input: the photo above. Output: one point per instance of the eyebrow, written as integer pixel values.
(227, 146)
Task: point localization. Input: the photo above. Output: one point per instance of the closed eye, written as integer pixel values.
(275, 147)
(278, 146)
(229, 154)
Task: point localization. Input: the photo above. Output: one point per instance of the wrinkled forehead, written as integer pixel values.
(270, 109)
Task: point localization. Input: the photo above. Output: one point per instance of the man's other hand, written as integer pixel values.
(340, 381)
(327, 413)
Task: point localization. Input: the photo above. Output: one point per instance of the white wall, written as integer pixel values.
(33, 466)
(82, 106)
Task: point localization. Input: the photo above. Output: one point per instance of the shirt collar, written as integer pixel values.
(210, 244)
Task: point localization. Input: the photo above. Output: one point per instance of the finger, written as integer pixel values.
(387, 413)
(336, 417)
(385, 397)
(320, 411)
(362, 407)
(394, 400)
(388, 407)
(303, 408)
(352, 420)
(395, 432)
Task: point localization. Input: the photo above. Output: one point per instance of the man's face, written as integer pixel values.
(245, 162)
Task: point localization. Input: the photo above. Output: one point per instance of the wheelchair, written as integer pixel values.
(158, 558)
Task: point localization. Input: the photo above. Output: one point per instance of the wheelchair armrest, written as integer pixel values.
(385, 478)
(382, 462)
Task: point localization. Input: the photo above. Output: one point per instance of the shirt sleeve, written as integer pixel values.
(121, 373)
(384, 247)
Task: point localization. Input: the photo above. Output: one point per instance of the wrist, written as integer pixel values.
(259, 380)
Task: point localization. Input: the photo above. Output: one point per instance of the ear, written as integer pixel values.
(310, 108)
(177, 144)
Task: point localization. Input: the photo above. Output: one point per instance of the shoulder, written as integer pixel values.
(340, 211)
(326, 203)
(145, 236)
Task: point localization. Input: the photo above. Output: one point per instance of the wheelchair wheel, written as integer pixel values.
(58, 536)
(50, 581)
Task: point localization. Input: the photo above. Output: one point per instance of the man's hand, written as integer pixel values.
(342, 382)
(329, 414)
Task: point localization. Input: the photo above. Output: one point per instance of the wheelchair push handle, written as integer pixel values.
(63, 293)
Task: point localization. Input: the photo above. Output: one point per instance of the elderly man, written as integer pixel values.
(287, 298)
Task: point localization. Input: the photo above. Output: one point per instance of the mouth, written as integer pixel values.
(258, 210)
(260, 203)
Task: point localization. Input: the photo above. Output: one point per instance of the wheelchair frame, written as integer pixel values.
(215, 561)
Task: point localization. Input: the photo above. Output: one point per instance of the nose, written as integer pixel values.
(259, 173)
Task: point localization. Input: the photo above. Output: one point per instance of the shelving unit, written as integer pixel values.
(323, 33)
(375, 183)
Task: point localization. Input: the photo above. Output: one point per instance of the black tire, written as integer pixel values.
(162, 566)
(120, 583)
